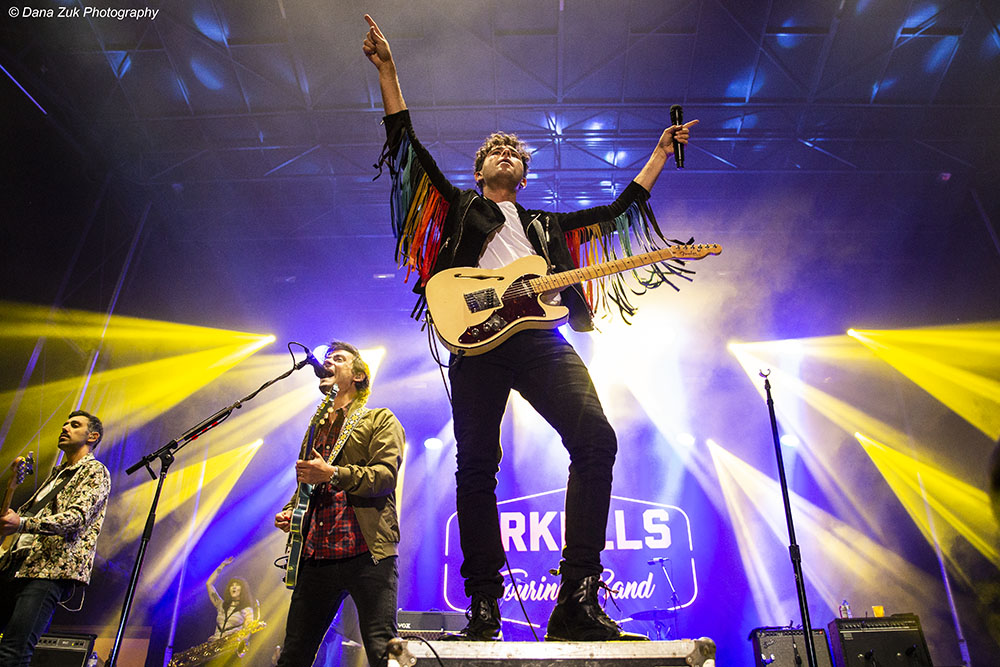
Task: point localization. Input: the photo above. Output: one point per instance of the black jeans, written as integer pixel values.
(549, 374)
(26, 607)
(319, 591)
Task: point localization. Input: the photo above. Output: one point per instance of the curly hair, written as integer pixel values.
(502, 139)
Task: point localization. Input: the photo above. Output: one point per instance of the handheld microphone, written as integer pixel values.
(319, 369)
(677, 118)
(657, 561)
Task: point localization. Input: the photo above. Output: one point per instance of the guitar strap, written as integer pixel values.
(42, 502)
(7, 557)
(346, 430)
(543, 240)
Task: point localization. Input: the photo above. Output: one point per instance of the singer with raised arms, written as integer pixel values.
(345, 540)
(439, 226)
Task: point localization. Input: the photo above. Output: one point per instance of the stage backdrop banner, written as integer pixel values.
(649, 547)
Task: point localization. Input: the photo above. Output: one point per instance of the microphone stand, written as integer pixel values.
(166, 456)
(673, 598)
(793, 547)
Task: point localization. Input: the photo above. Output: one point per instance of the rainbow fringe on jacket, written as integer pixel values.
(607, 241)
(418, 214)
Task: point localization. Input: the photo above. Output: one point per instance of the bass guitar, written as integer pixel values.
(474, 310)
(20, 468)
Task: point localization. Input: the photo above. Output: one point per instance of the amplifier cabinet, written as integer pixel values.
(786, 647)
(429, 624)
(869, 642)
(63, 650)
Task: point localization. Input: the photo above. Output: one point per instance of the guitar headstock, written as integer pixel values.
(23, 466)
(695, 250)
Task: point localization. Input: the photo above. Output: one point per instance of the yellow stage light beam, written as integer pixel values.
(825, 462)
(838, 560)
(219, 483)
(757, 566)
(959, 366)
(27, 321)
(216, 447)
(128, 397)
(959, 508)
(835, 352)
(210, 476)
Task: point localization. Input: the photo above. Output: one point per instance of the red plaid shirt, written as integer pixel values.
(333, 530)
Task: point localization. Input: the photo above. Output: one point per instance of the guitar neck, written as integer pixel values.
(8, 497)
(556, 281)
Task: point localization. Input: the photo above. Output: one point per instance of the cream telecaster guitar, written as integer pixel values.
(474, 310)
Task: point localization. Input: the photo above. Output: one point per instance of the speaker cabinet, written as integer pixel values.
(63, 650)
(868, 642)
(785, 647)
(429, 624)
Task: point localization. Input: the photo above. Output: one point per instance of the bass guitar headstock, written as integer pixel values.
(21, 467)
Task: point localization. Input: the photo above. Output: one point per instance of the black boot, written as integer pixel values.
(484, 621)
(578, 616)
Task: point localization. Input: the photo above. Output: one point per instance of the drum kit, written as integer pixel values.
(660, 619)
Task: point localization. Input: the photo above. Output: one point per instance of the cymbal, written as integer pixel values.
(653, 615)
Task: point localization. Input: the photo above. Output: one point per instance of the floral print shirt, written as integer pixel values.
(65, 530)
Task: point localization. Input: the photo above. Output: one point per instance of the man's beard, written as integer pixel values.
(505, 180)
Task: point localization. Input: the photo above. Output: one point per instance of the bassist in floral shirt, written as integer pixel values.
(56, 538)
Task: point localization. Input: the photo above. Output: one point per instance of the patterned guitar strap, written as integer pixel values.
(357, 413)
(324, 414)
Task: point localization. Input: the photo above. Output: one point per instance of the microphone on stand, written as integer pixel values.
(677, 118)
(319, 369)
(657, 561)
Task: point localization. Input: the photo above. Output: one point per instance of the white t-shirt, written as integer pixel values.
(510, 243)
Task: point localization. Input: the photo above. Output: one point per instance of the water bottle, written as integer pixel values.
(845, 609)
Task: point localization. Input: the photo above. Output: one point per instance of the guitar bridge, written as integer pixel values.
(482, 300)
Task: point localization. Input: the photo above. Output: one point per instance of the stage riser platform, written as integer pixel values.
(681, 652)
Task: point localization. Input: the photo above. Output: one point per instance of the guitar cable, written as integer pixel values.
(435, 351)
(520, 601)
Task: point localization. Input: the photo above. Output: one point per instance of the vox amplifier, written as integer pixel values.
(428, 624)
(63, 650)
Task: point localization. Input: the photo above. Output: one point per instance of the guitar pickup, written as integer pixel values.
(483, 299)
